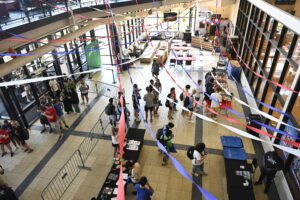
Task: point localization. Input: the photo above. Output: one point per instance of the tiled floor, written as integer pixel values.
(167, 183)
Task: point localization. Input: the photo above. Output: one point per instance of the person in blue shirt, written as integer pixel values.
(143, 189)
(58, 106)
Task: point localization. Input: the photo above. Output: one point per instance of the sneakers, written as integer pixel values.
(30, 150)
(51, 130)
(11, 154)
(164, 164)
(66, 126)
(44, 130)
(4, 153)
(195, 174)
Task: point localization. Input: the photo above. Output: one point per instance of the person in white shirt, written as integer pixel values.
(115, 140)
(199, 156)
(54, 88)
(216, 100)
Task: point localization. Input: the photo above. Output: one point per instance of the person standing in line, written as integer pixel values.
(157, 84)
(149, 103)
(199, 156)
(13, 138)
(191, 106)
(43, 119)
(5, 141)
(110, 110)
(174, 98)
(156, 94)
(272, 164)
(58, 106)
(54, 88)
(66, 99)
(52, 117)
(74, 100)
(143, 189)
(70, 85)
(84, 90)
(183, 98)
(216, 100)
(169, 105)
(198, 92)
(126, 112)
(155, 69)
(115, 141)
(20, 132)
(135, 101)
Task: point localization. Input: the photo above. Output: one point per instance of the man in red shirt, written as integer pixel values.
(52, 117)
(4, 141)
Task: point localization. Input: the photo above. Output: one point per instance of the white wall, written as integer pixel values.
(280, 181)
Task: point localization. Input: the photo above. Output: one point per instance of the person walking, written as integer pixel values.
(183, 97)
(149, 103)
(174, 98)
(155, 69)
(199, 155)
(58, 106)
(143, 189)
(52, 117)
(135, 101)
(5, 141)
(165, 136)
(169, 105)
(156, 96)
(23, 135)
(84, 90)
(272, 164)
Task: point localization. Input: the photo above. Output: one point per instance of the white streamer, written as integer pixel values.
(266, 115)
(295, 152)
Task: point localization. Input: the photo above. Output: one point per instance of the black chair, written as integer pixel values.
(172, 62)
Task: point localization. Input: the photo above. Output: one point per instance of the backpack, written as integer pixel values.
(167, 104)
(181, 96)
(186, 102)
(160, 133)
(25, 134)
(109, 109)
(190, 153)
(7, 193)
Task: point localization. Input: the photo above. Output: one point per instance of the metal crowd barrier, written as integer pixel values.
(69, 171)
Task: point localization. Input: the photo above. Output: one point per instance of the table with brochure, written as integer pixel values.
(133, 145)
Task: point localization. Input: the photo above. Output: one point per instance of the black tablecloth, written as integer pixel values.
(235, 188)
(113, 176)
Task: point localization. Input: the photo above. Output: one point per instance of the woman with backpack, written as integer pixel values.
(22, 134)
(199, 155)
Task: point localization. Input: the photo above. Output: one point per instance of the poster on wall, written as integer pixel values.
(295, 169)
(92, 53)
(291, 132)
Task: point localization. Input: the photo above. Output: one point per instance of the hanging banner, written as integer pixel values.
(93, 58)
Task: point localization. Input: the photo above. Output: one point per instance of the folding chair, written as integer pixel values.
(172, 62)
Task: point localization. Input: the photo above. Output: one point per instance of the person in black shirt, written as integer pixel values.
(272, 164)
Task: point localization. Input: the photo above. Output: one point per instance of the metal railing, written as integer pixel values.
(69, 171)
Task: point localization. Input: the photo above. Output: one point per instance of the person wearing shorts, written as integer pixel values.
(60, 113)
(84, 90)
(5, 141)
(149, 103)
(216, 100)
